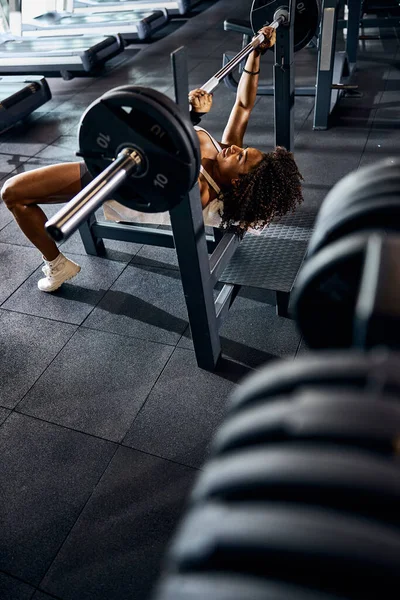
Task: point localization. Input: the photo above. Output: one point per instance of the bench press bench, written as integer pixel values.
(204, 260)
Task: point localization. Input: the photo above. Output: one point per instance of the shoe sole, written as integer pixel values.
(53, 289)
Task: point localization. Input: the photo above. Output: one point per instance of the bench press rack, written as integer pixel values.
(277, 253)
(334, 69)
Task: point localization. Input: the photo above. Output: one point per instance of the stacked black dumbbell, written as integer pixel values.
(300, 497)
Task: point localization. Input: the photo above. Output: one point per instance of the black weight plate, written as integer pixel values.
(306, 22)
(385, 186)
(333, 369)
(144, 119)
(375, 214)
(326, 293)
(217, 586)
(376, 181)
(318, 548)
(371, 181)
(330, 476)
(350, 418)
(190, 134)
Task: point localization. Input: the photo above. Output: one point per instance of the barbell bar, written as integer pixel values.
(281, 17)
(128, 162)
(134, 140)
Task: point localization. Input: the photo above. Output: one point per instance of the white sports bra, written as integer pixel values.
(207, 176)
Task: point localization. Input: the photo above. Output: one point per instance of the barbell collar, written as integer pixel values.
(281, 17)
(67, 220)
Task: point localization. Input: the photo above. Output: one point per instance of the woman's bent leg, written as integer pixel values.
(46, 185)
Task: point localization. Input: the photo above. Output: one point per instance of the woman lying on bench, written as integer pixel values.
(245, 188)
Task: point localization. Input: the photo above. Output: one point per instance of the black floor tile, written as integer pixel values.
(31, 164)
(324, 166)
(14, 589)
(10, 162)
(70, 142)
(21, 149)
(4, 413)
(252, 334)
(152, 256)
(48, 473)
(302, 349)
(11, 234)
(75, 299)
(48, 128)
(41, 596)
(29, 345)
(144, 302)
(101, 380)
(115, 549)
(62, 154)
(182, 412)
(383, 142)
(5, 216)
(16, 265)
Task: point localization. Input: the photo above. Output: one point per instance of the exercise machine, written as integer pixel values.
(68, 56)
(132, 25)
(173, 7)
(19, 97)
(134, 140)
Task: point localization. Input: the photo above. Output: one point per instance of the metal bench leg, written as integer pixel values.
(93, 245)
(282, 304)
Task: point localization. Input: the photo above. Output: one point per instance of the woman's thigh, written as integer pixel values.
(51, 184)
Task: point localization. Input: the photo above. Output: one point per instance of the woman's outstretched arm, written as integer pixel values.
(246, 92)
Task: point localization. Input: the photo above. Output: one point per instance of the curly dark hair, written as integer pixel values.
(269, 190)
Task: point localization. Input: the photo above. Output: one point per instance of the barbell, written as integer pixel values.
(142, 150)
(141, 147)
(274, 14)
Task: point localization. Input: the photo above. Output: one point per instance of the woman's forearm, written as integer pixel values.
(247, 87)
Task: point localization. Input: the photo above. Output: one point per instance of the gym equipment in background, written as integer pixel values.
(130, 25)
(334, 68)
(20, 96)
(68, 56)
(173, 7)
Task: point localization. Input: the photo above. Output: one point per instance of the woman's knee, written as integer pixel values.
(11, 192)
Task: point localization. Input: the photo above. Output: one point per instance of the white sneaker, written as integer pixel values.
(57, 271)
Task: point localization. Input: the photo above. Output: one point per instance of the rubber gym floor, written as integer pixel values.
(105, 417)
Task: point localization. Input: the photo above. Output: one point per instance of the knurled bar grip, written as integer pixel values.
(77, 210)
(214, 81)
